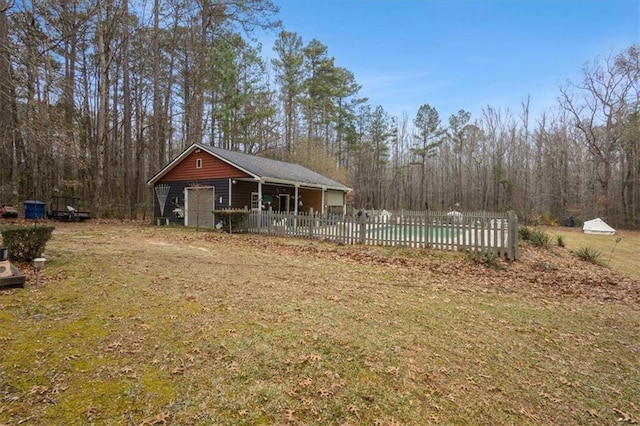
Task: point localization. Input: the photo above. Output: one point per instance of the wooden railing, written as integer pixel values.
(477, 231)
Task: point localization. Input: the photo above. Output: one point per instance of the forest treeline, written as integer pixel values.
(97, 96)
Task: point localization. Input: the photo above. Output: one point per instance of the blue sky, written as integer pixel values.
(463, 54)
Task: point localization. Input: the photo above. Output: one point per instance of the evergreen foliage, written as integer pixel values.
(535, 237)
(490, 259)
(26, 243)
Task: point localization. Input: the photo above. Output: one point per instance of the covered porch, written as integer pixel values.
(285, 197)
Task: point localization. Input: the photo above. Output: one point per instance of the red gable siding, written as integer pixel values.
(212, 168)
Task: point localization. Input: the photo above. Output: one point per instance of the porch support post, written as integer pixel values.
(344, 204)
(186, 209)
(323, 202)
(296, 200)
(259, 210)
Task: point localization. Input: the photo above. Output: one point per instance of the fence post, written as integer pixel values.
(427, 230)
(311, 223)
(362, 228)
(512, 238)
(258, 214)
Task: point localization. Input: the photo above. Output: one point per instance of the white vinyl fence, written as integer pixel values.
(477, 231)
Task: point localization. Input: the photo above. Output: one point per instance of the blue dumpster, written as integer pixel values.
(33, 209)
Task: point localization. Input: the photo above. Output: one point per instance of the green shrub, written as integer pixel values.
(489, 258)
(560, 241)
(26, 243)
(525, 233)
(536, 237)
(539, 238)
(589, 254)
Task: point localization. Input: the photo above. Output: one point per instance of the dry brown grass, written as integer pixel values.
(621, 251)
(147, 326)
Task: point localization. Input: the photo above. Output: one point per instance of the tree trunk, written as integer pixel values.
(127, 117)
(10, 140)
(101, 117)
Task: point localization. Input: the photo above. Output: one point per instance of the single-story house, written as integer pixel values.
(204, 178)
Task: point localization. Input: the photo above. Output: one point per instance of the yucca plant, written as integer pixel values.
(525, 233)
(539, 238)
(589, 254)
(489, 259)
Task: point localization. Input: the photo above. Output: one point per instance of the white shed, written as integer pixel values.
(597, 226)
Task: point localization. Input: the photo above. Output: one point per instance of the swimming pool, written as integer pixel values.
(413, 232)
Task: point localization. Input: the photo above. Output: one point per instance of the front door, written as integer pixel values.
(199, 205)
(283, 203)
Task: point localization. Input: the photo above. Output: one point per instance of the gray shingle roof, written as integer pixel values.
(267, 168)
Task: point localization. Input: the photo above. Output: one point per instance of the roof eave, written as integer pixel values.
(267, 180)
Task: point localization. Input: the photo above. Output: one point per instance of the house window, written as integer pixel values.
(198, 163)
(255, 201)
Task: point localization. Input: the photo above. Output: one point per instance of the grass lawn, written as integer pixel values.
(139, 325)
(620, 252)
